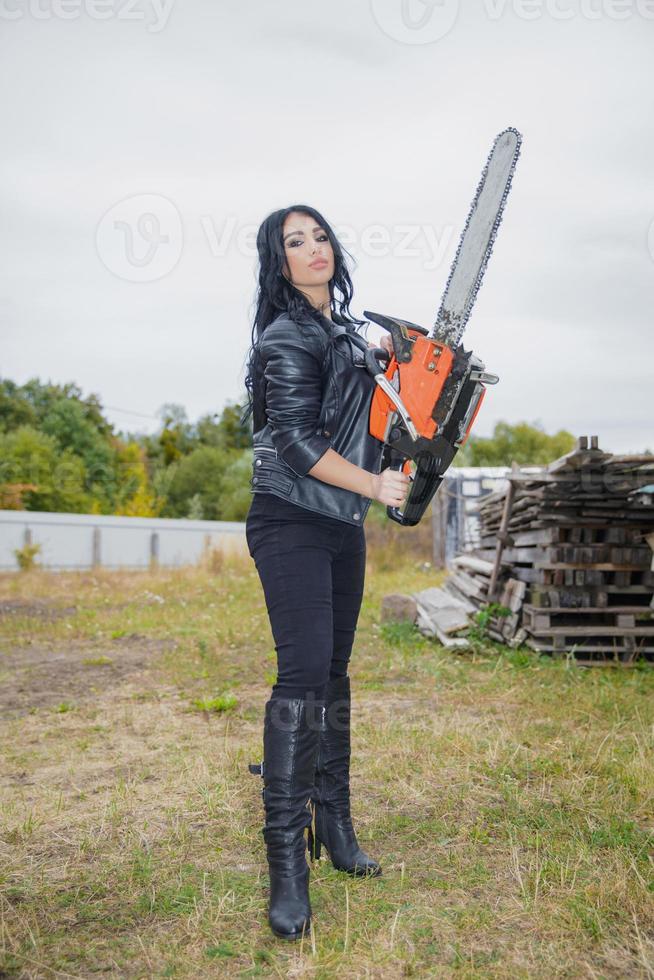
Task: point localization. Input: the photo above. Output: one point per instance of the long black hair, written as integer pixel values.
(275, 294)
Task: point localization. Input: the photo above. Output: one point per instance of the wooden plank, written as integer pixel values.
(513, 594)
(547, 621)
(462, 599)
(439, 613)
(501, 537)
(650, 541)
(594, 648)
(599, 630)
(451, 620)
(598, 567)
(588, 610)
(474, 564)
(468, 585)
(451, 642)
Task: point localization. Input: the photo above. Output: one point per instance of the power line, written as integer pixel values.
(126, 411)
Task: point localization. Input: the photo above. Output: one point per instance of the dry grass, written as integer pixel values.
(508, 798)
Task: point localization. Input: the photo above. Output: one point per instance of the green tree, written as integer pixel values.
(236, 495)
(43, 396)
(69, 423)
(200, 473)
(135, 496)
(15, 408)
(28, 456)
(195, 511)
(176, 438)
(526, 444)
(228, 432)
(60, 453)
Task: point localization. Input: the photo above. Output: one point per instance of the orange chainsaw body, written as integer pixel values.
(421, 382)
(425, 403)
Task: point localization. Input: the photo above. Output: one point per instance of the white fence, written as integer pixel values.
(78, 541)
(70, 541)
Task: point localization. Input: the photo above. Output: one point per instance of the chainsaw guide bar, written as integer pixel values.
(430, 391)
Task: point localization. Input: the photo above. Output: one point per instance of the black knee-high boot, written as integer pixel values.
(290, 745)
(330, 800)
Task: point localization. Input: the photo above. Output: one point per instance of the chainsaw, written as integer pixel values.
(429, 390)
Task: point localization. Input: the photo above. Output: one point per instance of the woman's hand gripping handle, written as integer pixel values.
(391, 486)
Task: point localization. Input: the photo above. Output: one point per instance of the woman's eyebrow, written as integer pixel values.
(317, 228)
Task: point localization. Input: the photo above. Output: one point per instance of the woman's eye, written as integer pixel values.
(323, 238)
(294, 242)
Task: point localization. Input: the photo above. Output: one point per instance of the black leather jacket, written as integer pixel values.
(316, 395)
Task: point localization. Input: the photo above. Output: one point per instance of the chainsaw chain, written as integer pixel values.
(452, 332)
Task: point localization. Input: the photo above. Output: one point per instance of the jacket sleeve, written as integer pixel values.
(293, 385)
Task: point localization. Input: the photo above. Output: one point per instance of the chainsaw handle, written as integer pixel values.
(425, 481)
(372, 356)
(398, 462)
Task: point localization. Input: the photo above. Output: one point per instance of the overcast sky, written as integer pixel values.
(143, 143)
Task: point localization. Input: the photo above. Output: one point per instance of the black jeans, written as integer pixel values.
(312, 571)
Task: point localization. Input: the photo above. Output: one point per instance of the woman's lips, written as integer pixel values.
(318, 264)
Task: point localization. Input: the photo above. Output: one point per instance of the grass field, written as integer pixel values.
(509, 799)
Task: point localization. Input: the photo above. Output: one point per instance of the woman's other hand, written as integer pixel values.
(384, 341)
(390, 487)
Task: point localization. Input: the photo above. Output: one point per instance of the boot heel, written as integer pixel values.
(332, 779)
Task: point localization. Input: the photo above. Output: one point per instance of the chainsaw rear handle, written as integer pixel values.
(398, 462)
(372, 356)
(425, 481)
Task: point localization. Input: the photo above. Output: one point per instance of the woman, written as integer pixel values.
(316, 470)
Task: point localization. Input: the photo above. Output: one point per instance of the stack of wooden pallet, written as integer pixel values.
(468, 585)
(566, 551)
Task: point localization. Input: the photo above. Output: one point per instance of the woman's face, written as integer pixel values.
(309, 256)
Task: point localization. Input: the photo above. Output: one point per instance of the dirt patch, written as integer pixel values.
(35, 608)
(40, 677)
